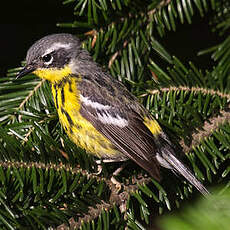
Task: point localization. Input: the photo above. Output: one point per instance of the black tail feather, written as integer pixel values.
(167, 159)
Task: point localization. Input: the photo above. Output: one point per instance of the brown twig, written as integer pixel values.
(192, 89)
(57, 167)
(208, 127)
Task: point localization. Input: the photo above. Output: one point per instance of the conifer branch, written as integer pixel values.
(190, 89)
(209, 125)
(29, 96)
(31, 93)
(207, 129)
(57, 167)
(117, 198)
(160, 5)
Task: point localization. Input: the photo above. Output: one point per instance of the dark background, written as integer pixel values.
(25, 21)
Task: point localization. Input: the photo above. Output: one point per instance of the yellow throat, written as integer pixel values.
(53, 74)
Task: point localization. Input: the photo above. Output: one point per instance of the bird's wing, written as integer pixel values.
(123, 126)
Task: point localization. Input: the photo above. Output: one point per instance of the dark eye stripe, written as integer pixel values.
(60, 59)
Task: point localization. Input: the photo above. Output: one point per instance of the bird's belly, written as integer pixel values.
(84, 135)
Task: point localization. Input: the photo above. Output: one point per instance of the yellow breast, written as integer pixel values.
(81, 131)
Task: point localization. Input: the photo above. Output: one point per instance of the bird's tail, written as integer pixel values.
(167, 159)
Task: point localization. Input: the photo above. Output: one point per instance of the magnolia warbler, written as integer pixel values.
(97, 112)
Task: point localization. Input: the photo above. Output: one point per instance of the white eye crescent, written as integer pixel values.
(47, 59)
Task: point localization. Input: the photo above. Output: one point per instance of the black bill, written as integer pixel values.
(27, 69)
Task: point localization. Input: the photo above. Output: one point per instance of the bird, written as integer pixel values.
(97, 111)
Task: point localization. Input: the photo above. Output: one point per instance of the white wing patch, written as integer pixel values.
(56, 46)
(104, 116)
(94, 104)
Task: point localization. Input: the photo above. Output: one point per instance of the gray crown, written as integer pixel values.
(42, 46)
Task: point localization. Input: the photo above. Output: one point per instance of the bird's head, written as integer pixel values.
(54, 57)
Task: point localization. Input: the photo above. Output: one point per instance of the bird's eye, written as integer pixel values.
(47, 59)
